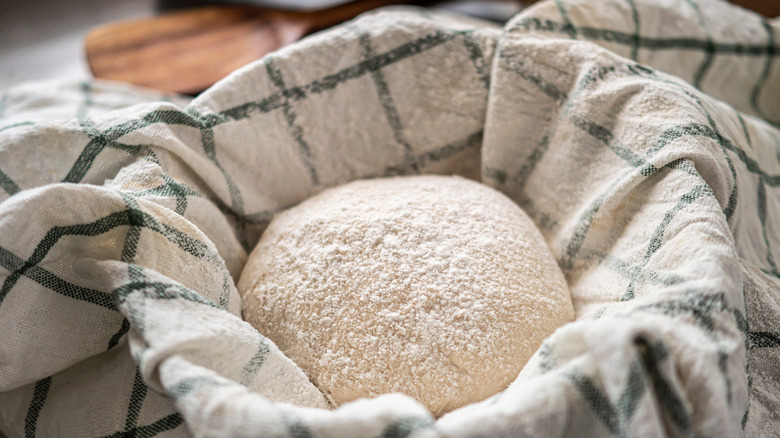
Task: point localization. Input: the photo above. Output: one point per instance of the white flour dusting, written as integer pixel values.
(437, 287)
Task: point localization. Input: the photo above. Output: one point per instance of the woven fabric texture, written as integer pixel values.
(641, 136)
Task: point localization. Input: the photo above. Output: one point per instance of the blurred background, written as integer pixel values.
(45, 38)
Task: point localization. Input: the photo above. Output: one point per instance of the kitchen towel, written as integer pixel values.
(641, 136)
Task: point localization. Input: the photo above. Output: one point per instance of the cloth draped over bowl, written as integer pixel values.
(641, 136)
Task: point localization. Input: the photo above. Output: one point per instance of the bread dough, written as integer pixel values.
(440, 288)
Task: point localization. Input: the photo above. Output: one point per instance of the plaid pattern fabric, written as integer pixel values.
(637, 134)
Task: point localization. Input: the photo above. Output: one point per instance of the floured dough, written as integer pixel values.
(437, 287)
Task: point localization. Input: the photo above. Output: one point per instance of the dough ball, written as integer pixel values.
(440, 288)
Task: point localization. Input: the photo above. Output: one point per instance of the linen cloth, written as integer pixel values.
(641, 136)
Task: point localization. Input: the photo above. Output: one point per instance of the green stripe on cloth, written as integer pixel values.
(652, 43)
(100, 140)
(164, 424)
(656, 240)
(762, 215)
(762, 80)
(132, 217)
(40, 393)
(652, 355)
(254, 364)
(160, 291)
(517, 65)
(615, 418)
(137, 397)
(380, 61)
(130, 246)
(709, 48)
(631, 271)
(385, 97)
(703, 307)
(530, 163)
(568, 27)
(329, 82)
(83, 109)
(114, 341)
(16, 125)
(406, 426)
(585, 220)
(636, 388)
(136, 222)
(19, 267)
(764, 340)
(209, 146)
(304, 150)
(170, 188)
(596, 399)
(8, 184)
(296, 427)
(412, 163)
(605, 136)
(189, 384)
(723, 367)
(636, 34)
(724, 143)
(477, 57)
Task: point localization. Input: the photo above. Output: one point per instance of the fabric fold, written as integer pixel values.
(638, 135)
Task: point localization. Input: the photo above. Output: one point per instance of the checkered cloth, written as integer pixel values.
(640, 135)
